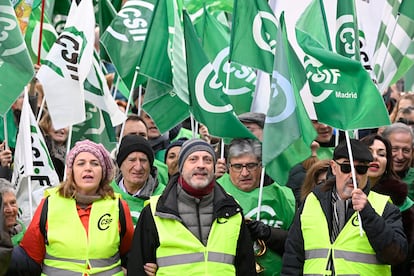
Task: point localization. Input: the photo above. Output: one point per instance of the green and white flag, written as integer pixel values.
(16, 69)
(31, 162)
(196, 6)
(343, 93)
(124, 39)
(31, 37)
(156, 65)
(395, 36)
(97, 127)
(97, 93)
(347, 33)
(208, 103)
(288, 131)
(67, 66)
(215, 40)
(253, 35)
(11, 129)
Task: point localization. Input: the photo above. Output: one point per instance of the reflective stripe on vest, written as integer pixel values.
(48, 270)
(71, 249)
(180, 252)
(351, 253)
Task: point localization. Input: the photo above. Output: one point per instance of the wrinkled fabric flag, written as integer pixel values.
(288, 131)
(343, 93)
(67, 66)
(31, 162)
(16, 69)
(208, 103)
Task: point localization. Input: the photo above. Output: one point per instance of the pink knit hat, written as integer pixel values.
(98, 150)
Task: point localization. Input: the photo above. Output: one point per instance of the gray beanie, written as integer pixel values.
(191, 146)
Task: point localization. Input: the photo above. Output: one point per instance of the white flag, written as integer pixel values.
(67, 66)
(33, 168)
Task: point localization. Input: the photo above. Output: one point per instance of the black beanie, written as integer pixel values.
(132, 143)
(360, 151)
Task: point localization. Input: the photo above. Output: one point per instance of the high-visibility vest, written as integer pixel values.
(181, 253)
(72, 251)
(352, 254)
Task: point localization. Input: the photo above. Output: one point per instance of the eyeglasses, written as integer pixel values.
(346, 168)
(249, 166)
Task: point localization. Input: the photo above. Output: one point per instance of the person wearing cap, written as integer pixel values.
(327, 238)
(254, 122)
(82, 227)
(277, 203)
(194, 227)
(137, 180)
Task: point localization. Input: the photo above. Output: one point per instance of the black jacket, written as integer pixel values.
(385, 233)
(146, 240)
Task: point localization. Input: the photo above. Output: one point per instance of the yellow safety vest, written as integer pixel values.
(181, 253)
(351, 253)
(72, 251)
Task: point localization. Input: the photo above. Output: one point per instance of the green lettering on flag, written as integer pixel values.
(208, 103)
(253, 38)
(288, 131)
(343, 93)
(16, 68)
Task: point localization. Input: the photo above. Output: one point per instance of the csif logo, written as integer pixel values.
(132, 21)
(104, 221)
(261, 35)
(346, 36)
(267, 215)
(9, 46)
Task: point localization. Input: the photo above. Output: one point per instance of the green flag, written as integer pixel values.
(253, 38)
(97, 127)
(16, 69)
(124, 38)
(196, 6)
(343, 93)
(156, 65)
(106, 13)
(215, 41)
(407, 8)
(288, 131)
(11, 129)
(347, 34)
(31, 37)
(209, 105)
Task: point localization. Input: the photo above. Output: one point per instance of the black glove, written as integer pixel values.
(258, 230)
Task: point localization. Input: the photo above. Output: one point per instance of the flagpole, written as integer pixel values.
(68, 142)
(128, 105)
(259, 203)
(351, 162)
(29, 184)
(6, 134)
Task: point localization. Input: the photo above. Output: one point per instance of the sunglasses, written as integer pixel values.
(346, 168)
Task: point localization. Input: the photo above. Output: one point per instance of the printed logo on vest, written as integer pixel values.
(355, 221)
(104, 222)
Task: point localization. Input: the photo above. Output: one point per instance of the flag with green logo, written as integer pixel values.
(347, 33)
(31, 162)
(288, 131)
(343, 93)
(209, 105)
(67, 66)
(32, 35)
(124, 38)
(97, 92)
(394, 38)
(97, 127)
(156, 64)
(16, 69)
(60, 14)
(253, 35)
(215, 40)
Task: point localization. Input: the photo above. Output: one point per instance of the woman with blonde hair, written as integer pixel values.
(316, 175)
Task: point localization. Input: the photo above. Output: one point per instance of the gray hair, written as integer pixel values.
(6, 187)
(239, 147)
(398, 128)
